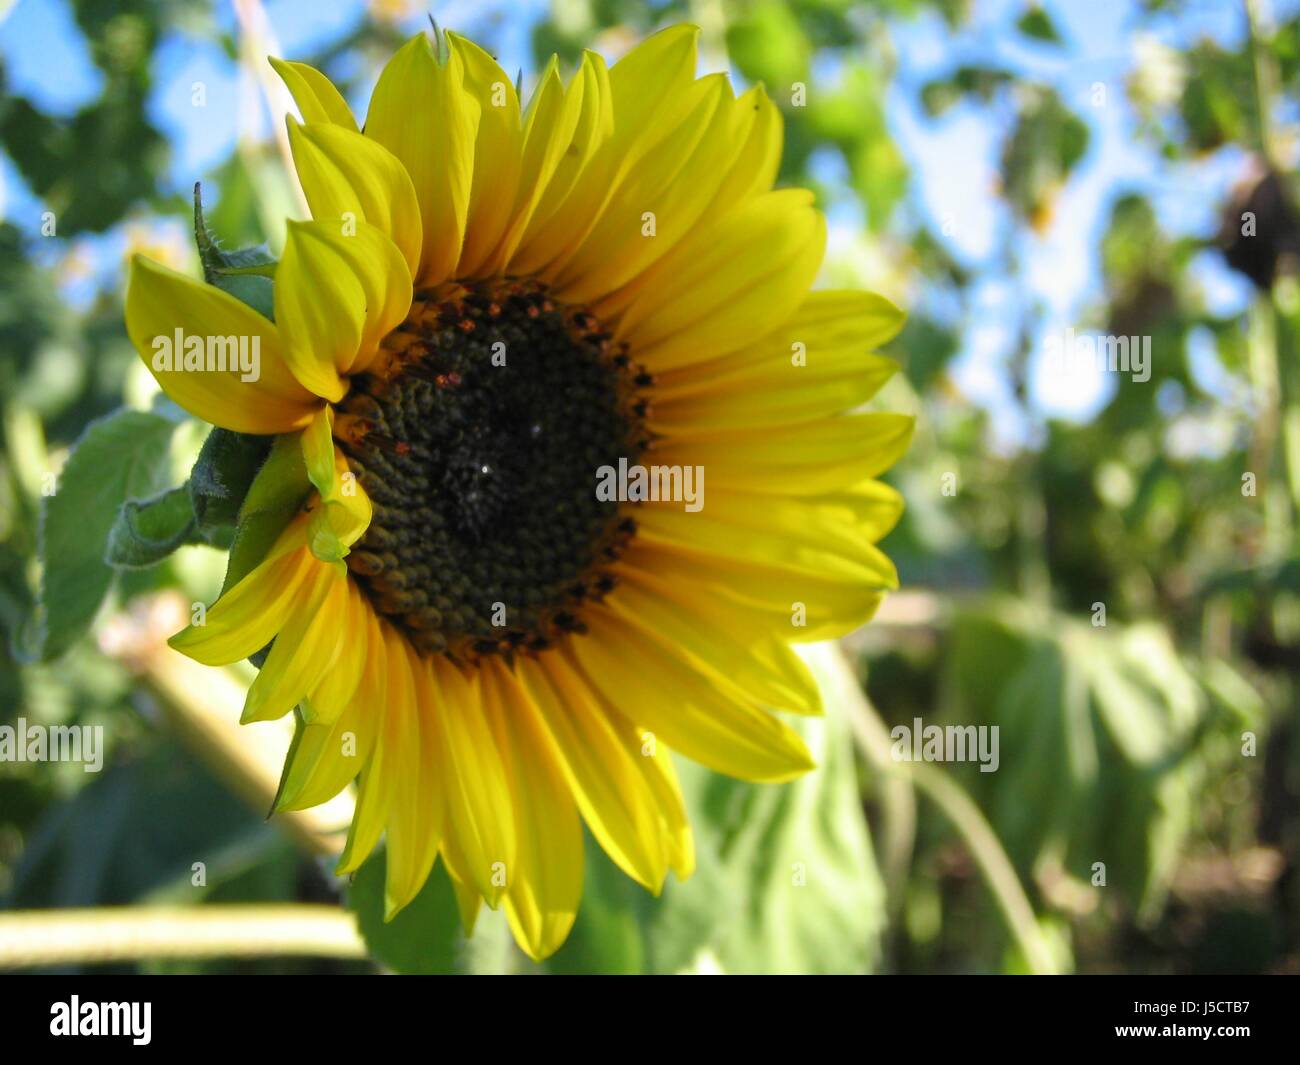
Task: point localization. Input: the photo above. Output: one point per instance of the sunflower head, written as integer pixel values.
(487, 536)
(499, 364)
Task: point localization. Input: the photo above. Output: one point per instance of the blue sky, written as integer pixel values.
(954, 157)
(1061, 268)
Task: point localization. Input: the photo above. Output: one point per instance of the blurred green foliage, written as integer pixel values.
(1126, 732)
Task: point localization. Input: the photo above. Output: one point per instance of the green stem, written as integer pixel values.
(38, 938)
(1275, 394)
(1261, 341)
(1259, 24)
(841, 687)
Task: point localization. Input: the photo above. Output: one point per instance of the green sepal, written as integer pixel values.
(275, 496)
(147, 531)
(245, 274)
(222, 476)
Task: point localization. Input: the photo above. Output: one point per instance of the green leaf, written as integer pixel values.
(222, 475)
(425, 937)
(852, 116)
(1038, 158)
(91, 168)
(607, 936)
(1218, 103)
(981, 82)
(816, 901)
(240, 273)
(1102, 734)
(276, 495)
(1143, 694)
(147, 532)
(767, 44)
(119, 457)
(1036, 23)
(785, 880)
(134, 832)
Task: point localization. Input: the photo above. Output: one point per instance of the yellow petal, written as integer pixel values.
(599, 766)
(649, 90)
(373, 799)
(318, 450)
(479, 812)
(829, 333)
(727, 284)
(345, 174)
(324, 758)
(162, 305)
(248, 616)
(343, 510)
(661, 65)
(549, 124)
(333, 694)
(818, 457)
(375, 794)
(653, 763)
(801, 604)
(683, 707)
(304, 649)
(563, 129)
(754, 168)
(758, 666)
(662, 776)
(416, 817)
(546, 882)
(498, 151)
(317, 98)
(834, 523)
(754, 404)
(814, 366)
(662, 199)
(339, 289)
(723, 152)
(421, 113)
(784, 532)
(468, 901)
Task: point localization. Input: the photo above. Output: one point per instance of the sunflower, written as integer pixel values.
(493, 313)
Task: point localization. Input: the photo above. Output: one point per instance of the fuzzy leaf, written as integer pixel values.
(119, 457)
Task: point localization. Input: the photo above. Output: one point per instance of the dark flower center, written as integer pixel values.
(479, 445)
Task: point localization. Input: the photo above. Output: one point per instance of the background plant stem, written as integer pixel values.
(842, 690)
(93, 936)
